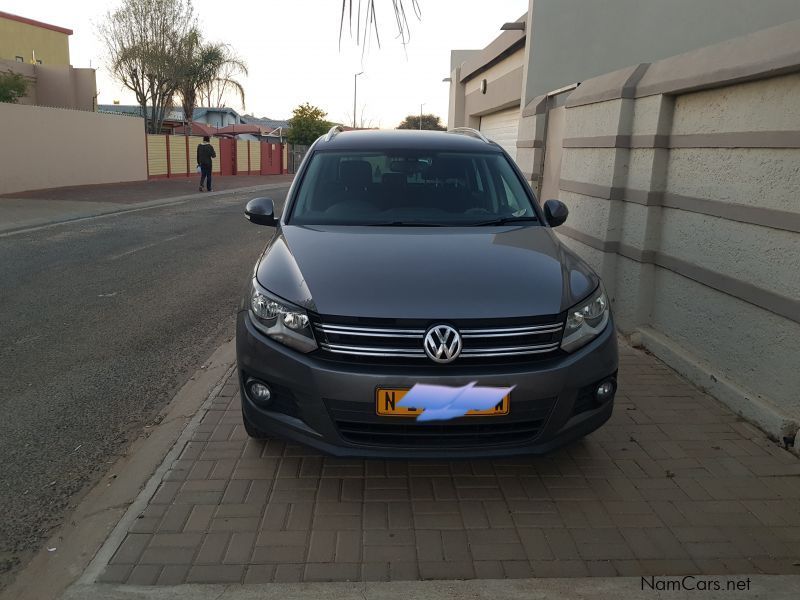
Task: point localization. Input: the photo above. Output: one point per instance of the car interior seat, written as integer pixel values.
(450, 180)
(394, 190)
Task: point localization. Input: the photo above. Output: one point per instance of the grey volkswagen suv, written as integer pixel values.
(421, 264)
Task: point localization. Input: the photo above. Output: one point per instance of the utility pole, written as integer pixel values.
(420, 115)
(355, 95)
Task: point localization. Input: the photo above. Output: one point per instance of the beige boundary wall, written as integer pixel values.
(46, 147)
(683, 182)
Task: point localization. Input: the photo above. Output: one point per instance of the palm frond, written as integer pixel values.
(369, 24)
(208, 71)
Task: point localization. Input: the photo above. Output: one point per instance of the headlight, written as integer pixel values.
(280, 320)
(585, 321)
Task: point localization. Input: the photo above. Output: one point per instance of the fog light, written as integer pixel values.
(258, 391)
(605, 391)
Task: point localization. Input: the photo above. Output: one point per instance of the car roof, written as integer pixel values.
(404, 139)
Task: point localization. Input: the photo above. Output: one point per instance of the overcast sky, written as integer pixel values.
(291, 47)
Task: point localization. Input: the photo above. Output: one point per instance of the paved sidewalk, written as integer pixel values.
(752, 587)
(673, 484)
(25, 210)
(141, 191)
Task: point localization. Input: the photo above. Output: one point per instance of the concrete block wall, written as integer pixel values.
(682, 180)
(530, 140)
(46, 147)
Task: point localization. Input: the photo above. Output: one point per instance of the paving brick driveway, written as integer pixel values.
(674, 483)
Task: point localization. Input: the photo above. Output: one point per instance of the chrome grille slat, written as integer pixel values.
(375, 352)
(466, 335)
(511, 351)
(393, 341)
(372, 349)
(368, 333)
(513, 330)
(347, 329)
(515, 348)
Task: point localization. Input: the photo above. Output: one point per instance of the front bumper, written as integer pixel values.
(311, 393)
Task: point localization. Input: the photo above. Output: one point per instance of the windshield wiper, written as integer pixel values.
(503, 221)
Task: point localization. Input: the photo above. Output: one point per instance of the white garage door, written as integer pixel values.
(501, 127)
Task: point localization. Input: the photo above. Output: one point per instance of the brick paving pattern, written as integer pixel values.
(674, 484)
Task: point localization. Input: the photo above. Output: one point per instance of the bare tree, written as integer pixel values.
(366, 20)
(144, 40)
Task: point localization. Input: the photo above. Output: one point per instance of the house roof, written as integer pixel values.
(203, 110)
(266, 122)
(198, 129)
(503, 45)
(174, 114)
(246, 124)
(27, 21)
(241, 128)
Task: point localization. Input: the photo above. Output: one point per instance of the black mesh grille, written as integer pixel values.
(586, 399)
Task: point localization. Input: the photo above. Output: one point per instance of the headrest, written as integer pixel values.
(394, 179)
(355, 172)
(448, 168)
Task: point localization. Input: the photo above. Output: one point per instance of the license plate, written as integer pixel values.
(387, 399)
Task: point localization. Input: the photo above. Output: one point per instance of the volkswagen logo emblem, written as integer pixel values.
(442, 343)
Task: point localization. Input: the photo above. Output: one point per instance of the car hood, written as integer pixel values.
(424, 273)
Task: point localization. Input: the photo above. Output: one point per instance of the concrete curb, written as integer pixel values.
(92, 532)
(757, 410)
(139, 206)
(611, 588)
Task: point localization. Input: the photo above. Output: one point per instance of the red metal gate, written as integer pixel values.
(227, 156)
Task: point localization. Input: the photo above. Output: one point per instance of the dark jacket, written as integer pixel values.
(205, 152)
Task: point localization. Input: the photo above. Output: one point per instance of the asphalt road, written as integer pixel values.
(101, 322)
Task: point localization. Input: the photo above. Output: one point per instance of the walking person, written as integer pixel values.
(205, 152)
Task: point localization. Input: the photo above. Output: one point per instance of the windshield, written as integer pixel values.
(410, 188)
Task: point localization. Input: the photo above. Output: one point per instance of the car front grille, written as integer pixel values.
(387, 340)
(357, 423)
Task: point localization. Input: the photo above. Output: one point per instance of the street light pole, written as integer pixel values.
(420, 115)
(355, 95)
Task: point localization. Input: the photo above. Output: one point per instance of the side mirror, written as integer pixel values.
(261, 211)
(556, 212)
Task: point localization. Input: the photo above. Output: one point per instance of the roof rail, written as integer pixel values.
(471, 132)
(333, 132)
